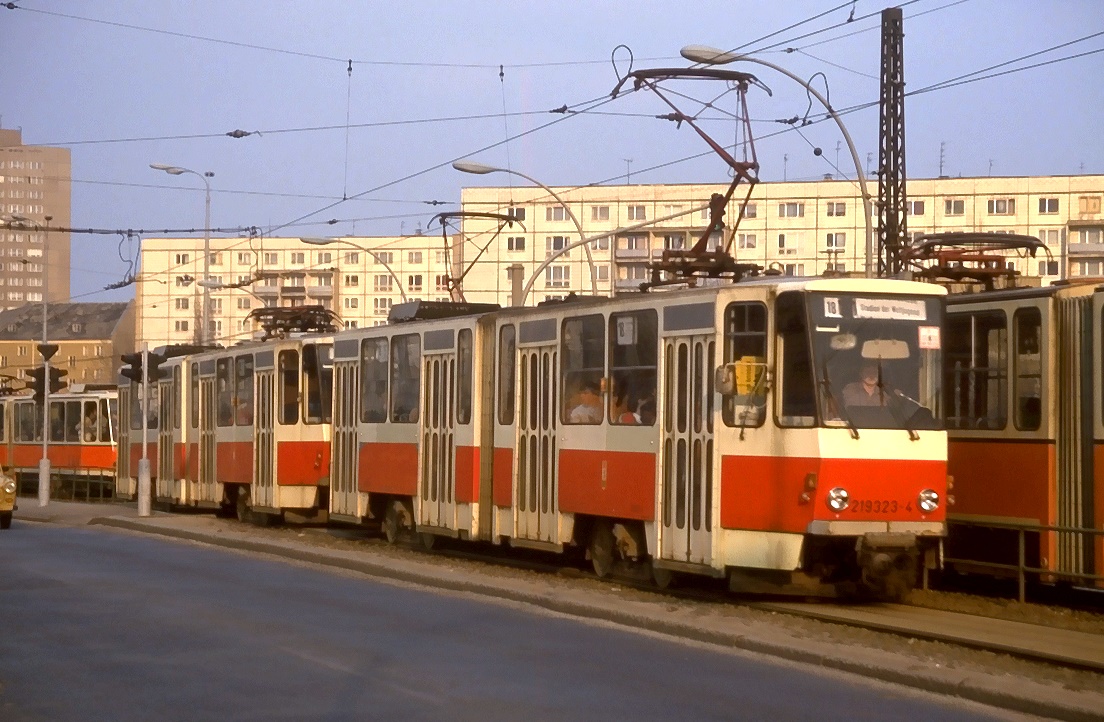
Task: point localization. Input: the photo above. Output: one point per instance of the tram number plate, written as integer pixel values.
(878, 506)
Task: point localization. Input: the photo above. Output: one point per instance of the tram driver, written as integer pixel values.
(867, 391)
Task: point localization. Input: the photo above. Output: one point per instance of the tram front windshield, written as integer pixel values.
(876, 360)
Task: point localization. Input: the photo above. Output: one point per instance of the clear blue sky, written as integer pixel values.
(126, 83)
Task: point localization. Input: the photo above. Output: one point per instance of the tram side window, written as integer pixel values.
(634, 340)
(373, 381)
(224, 388)
(289, 387)
(745, 355)
(976, 371)
(193, 396)
(507, 361)
(582, 360)
(88, 428)
(1027, 327)
(406, 378)
(318, 373)
(112, 416)
(176, 395)
(135, 406)
(57, 421)
(243, 391)
(105, 420)
(796, 394)
(464, 376)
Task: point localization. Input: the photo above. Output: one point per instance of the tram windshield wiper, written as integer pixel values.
(892, 399)
(841, 409)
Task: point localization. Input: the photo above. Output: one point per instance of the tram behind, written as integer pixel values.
(1025, 416)
(783, 433)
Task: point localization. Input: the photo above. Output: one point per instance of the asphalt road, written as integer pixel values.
(96, 624)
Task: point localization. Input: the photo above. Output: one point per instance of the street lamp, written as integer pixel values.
(714, 56)
(467, 166)
(205, 315)
(47, 350)
(373, 254)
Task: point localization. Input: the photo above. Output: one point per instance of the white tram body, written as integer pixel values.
(705, 431)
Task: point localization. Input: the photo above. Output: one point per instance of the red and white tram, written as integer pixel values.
(83, 432)
(710, 431)
(1024, 404)
(246, 428)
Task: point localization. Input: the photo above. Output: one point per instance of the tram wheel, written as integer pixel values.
(392, 523)
(428, 540)
(662, 577)
(601, 549)
(241, 506)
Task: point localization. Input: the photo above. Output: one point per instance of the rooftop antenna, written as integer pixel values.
(785, 164)
(628, 170)
(942, 157)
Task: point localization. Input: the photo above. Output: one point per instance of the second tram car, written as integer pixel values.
(1024, 404)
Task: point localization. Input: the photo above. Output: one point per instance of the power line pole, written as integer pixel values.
(892, 226)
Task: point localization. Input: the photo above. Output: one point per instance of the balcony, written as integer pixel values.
(293, 290)
(1085, 249)
(263, 290)
(320, 292)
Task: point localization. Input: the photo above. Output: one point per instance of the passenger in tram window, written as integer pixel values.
(621, 408)
(90, 426)
(375, 402)
(584, 405)
(867, 391)
(646, 411)
(243, 413)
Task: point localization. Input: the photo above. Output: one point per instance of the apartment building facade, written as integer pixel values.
(799, 228)
(35, 201)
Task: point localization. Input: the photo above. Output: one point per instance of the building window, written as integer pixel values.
(599, 213)
(298, 258)
(915, 208)
(672, 209)
(750, 211)
(555, 213)
(182, 258)
(745, 240)
(383, 283)
(795, 269)
(245, 258)
(349, 324)
(1048, 205)
(385, 257)
(1050, 236)
(1002, 206)
(554, 244)
(216, 258)
(414, 257)
(515, 243)
(1089, 235)
(324, 279)
(351, 279)
(181, 326)
(791, 210)
(271, 259)
(441, 283)
(557, 277)
(835, 241)
(181, 304)
(183, 280)
(244, 304)
(837, 209)
(632, 243)
(786, 246)
(602, 272)
(674, 241)
(325, 257)
(518, 214)
(954, 207)
(1048, 268)
(380, 306)
(636, 213)
(352, 257)
(352, 302)
(414, 282)
(1088, 204)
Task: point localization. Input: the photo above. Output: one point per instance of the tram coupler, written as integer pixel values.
(888, 562)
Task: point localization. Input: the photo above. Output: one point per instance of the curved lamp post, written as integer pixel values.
(373, 254)
(467, 166)
(714, 56)
(205, 316)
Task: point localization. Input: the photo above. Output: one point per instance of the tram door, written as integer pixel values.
(208, 472)
(122, 457)
(1076, 396)
(438, 467)
(535, 501)
(263, 492)
(686, 523)
(166, 448)
(343, 469)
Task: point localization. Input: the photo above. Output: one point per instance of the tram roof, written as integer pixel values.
(1069, 287)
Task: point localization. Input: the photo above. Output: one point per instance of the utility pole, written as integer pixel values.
(892, 202)
(143, 463)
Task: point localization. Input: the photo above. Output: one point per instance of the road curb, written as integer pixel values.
(945, 682)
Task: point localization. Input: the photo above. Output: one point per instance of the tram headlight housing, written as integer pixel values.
(838, 499)
(928, 500)
(9, 486)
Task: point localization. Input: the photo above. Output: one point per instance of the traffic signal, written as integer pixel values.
(155, 373)
(56, 384)
(133, 369)
(36, 383)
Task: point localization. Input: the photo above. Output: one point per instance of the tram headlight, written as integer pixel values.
(838, 499)
(929, 500)
(9, 486)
